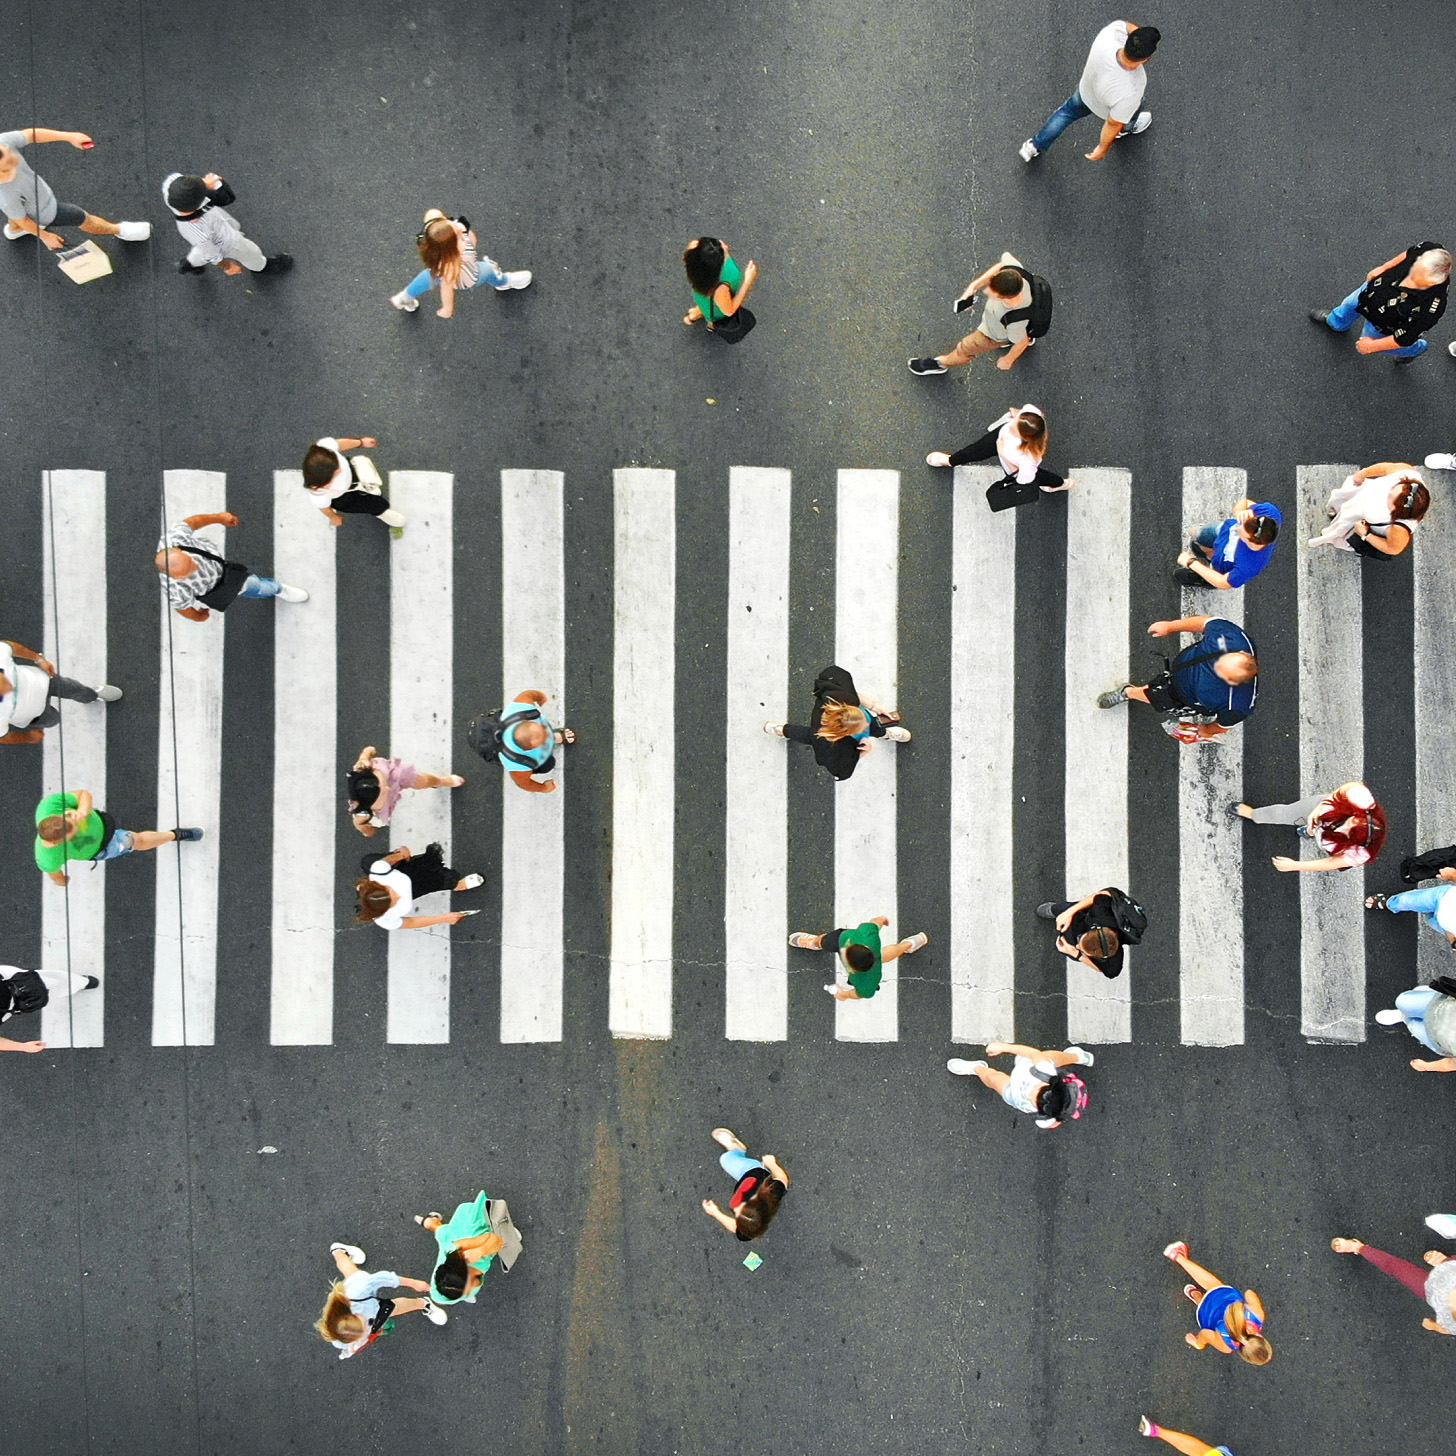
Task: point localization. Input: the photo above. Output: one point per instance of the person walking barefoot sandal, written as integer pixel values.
(1227, 1321)
(759, 1186)
(1188, 1445)
(354, 1316)
(1036, 1084)
(1437, 1288)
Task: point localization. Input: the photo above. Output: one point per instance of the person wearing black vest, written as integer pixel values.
(22, 992)
(1400, 300)
(199, 582)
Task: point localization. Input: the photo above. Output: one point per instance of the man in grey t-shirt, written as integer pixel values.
(31, 207)
(1112, 86)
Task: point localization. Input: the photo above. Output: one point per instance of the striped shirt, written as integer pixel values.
(183, 591)
(211, 235)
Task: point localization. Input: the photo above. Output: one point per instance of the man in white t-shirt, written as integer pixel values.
(27, 684)
(1112, 86)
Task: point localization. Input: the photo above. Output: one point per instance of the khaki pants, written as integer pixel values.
(971, 347)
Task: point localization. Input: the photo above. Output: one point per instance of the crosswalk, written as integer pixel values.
(312, 862)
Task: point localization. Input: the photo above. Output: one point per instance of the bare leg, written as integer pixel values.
(346, 1266)
(1139, 695)
(94, 224)
(434, 781)
(146, 839)
(409, 1306)
(1188, 1445)
(1197, 1273)
(990, 1077)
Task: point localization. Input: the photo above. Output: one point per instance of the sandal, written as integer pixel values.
(457, 781)
(1377, 902)
(565, 735)
(421, 1217)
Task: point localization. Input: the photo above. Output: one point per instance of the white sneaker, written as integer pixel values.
(1444, 1224)
(1390, 1017)
(898, 734)
(1027, 152)
(1450, 348)
(519, 279)
(435, 1314)
(292, 594)
(1440, 462)
(777, 729)
(108, 694)
(958, 1068)
(1140, 123)
(352, 1250)
(134, 232)
(831, 988)
(12, 232)
(472, 882)
(404, 303)
(1083, 1056)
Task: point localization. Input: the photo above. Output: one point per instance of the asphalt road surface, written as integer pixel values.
(943, 1277)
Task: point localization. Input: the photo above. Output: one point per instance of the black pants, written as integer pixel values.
(360, 503)
(61, 687)
(1425, 866)
(427, 872)
(797, 733)
(985, 449)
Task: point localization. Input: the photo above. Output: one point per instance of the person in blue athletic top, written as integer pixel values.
(1229, 1321)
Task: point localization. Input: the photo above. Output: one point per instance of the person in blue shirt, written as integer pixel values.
(1188, 1445)
(1234, 553)
(1207, 688)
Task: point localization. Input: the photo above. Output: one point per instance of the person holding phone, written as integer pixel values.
(31, 207)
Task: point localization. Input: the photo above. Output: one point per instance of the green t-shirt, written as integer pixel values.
(865, 982)
(731, 274)
(84, 844)
(469, 1221)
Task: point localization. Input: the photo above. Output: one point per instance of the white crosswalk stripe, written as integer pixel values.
(309, 905)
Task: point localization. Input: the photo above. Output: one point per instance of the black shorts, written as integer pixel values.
(359, 503)
(67, 215)
(831, 939)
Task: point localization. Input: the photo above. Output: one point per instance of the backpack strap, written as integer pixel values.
(528, 712)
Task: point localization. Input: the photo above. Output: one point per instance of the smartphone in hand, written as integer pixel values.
(962, 304)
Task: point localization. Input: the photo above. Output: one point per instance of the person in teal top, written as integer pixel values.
(69, 827)
(528, 744)
(719, 287)
(861, 956)
(467, 1249)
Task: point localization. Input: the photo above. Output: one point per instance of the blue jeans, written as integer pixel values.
(1413, 1005)
(258, 587)
(1207, 537)
(1343, 315)
(1072, 109)
(424, 280)
(122, 841)
(1423, 902)
(738, 1165)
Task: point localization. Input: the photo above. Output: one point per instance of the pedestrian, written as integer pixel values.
(28, 684)
(1400, 300)
(467, 1247)
(1375, 512)
(1188, 1445)
(199, 582)
(1111, 88)
(376, 783)
(1094, 930)
(1429, 1014)
(521, 740)
(199, 206)
(448, 249)
(1228, 1321)
(1436, 907)
(1038, 1083)
(69, 827)
(31, 207)
(1009, 319)
(1208, 688)
(23, 992)
(396, 880)
(1231, 555)
(354, 1315)
(1437, 1288)
(1018, 440)
(843, 725)
(1348, 824)
(348, 486)
(719, 287)
(759, 1185)
(861, 958)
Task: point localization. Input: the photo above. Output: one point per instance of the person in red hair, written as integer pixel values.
(1348, 824)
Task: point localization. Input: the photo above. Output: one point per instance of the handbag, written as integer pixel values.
(734, 326)
(500, 1223)
(366, 475)
(84, 263)
(1008, 492)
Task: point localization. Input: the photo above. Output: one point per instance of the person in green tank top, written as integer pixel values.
(467, 1247)
(718, 284)
(861, 956)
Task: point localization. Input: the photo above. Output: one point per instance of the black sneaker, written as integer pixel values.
(185, 267)
(92, 982)
(1186, 576)
(930, 365)
(187, 834)
(1321, 316)
(278, 263)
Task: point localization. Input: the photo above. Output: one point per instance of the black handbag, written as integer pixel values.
(1008, 492)
(733, 327)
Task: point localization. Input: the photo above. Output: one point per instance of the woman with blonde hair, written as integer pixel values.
(354, 1315)
(1019, 442)
(842, 724)
(448, 250)
(1228, 1321)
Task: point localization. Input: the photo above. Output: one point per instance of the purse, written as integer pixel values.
(366, 475)
(499, 1217)
(84, 263)
(734, 326)
(1008, 492)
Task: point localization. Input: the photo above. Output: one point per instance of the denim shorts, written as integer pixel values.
(122, 841)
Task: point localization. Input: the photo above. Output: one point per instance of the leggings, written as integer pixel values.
(1297, 813)
(985, 449)
(1411, 1275)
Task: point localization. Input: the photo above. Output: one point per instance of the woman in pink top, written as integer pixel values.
(1348, 824)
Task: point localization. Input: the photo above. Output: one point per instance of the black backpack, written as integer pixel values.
(1131, 918)
(1037, 315)
(22, 993)
(486, 735)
